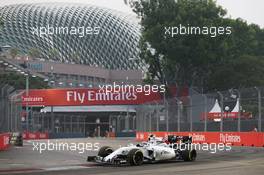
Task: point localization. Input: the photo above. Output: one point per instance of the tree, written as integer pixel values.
(192, 60)
(34, 53)
(76, 57)
(19, 81)
(53, 53)
(13, 52)
(246, 71)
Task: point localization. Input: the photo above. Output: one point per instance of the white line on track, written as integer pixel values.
(65, 168)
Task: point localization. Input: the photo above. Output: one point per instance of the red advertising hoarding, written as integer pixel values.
(232, 115)
(35, 135)
(4, 141)
(234, 138)
(85, 97)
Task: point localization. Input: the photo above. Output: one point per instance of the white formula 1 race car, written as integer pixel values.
(154, 150)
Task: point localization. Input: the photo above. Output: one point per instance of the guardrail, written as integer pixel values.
(254, 139)
(5, 138)
(35, 135)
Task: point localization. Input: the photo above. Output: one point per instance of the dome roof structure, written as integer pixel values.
(79, 33)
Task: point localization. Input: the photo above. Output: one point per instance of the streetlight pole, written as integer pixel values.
(222, 112)
(52, 109)
(259, 108)
(27, 93)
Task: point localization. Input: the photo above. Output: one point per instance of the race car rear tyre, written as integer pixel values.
(105, 151)
(135, 157)
(189, 155)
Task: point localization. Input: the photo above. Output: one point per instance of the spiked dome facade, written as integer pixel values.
(111, 41)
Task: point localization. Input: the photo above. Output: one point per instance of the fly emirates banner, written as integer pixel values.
(85, 97)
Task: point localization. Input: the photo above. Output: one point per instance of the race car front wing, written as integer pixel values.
(117, 160)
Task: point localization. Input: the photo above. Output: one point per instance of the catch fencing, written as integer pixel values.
(10, 110)
(226, 111)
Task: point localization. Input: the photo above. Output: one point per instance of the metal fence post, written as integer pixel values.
(157, 115)
(222, 110)
(191, 117)
(205, 111)
(127, 118)
(179, 116)
(52, 118)
(260, 112)
(2, 119)
(134, 122)
(167, 115)
(259, 109)
(150, 122)
(10, 115)
(239, 116)
(145, 122)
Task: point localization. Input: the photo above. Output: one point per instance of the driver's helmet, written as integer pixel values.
(151, 137)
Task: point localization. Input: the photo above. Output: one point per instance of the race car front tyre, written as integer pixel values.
(105, 151)
(189, 155)
(135, 157)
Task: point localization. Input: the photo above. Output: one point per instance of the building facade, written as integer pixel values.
(73, 46)
(65, 75)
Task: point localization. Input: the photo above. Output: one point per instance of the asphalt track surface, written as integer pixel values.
(25, 160)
